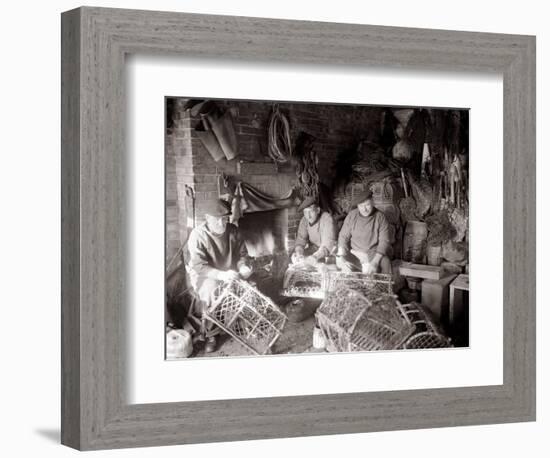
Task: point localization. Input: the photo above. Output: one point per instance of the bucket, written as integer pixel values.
(414, 242)
(318, 339)
(179, 344)
(433, 253)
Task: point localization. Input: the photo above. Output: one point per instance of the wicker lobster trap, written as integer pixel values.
(246, 315)
(299, 282)
(426, 333)
(302, 282)
(352, 321)
(359, 281)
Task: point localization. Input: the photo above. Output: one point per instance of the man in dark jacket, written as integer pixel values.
(217, 254)
(364, 242)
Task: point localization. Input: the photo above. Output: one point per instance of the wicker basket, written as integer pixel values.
(358, 281)
(317, 284)
(351, 321)
(247, 315)
(426, 333)
(300, 282)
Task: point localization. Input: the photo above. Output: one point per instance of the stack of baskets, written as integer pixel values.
(247, 315)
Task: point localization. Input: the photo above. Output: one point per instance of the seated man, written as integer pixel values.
(364, 242)
(217, 253)
(316, 235)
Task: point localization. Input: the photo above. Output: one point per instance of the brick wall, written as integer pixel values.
(189, 165)
(336, 128)
(179, 172)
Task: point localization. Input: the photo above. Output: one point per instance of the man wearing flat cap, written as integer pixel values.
(217, 253)
(365, 240)
(316, 235)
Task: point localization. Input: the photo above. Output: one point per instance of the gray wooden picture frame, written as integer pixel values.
(95, 413)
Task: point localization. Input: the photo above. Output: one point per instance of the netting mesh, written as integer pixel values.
(426, 333)
(426, 340)
(300, 282)
(317, 284)
(247, 315)
(358, 281)
(352, 321)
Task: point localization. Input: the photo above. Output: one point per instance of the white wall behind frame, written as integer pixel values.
(29, 147)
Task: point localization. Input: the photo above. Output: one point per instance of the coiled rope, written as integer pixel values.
(279, 144)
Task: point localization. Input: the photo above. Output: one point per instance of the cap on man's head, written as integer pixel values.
(366, 195)
(217, 207)
(307, 202)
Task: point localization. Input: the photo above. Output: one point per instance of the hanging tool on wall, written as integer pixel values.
(190, 192)
(426, 166)
(237, 205)
(407, 205)
(404, 182)
(455, 177)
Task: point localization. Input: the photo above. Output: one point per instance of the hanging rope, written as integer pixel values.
(308, 174)
(279, 145)
(307, 165)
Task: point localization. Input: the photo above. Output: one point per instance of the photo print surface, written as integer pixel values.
(296, 227)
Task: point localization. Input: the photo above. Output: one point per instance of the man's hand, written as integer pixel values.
(375, 263)
(228, 275)
(369, 268)
(297, 257)
(245, 271)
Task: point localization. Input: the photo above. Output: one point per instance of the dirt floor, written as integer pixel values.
(297, 337)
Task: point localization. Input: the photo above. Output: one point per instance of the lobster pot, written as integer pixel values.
(246, 315)
(351, 321)
(299, 282)
(359, 281)
(426, 333)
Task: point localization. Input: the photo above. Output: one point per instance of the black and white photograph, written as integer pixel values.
(299, 227)
(275, 229)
